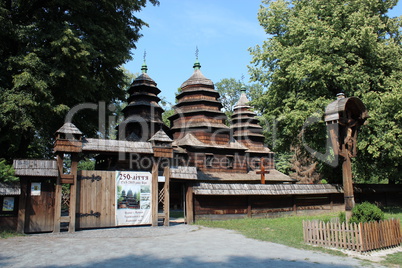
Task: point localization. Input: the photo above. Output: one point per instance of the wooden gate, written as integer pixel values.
(96, 199)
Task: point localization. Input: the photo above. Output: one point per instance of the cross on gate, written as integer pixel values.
(262, 171)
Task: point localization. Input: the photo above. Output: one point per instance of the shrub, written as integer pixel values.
(366, 212)
(342, 217)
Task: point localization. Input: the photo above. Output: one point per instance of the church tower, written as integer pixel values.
(245, 126)
(142, 115)
(198, 111)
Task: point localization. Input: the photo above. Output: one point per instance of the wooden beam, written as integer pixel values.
(155, 194)
(347, 182)
(58, 195)
(166, 204)
(189, 205)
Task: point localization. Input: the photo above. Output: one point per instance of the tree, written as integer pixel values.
(230, 90)
(7, 173)
(317, 49)
(54, 55)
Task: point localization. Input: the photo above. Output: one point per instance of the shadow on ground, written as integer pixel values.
(145, 261)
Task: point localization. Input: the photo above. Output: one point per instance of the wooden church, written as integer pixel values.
(198, 164)
(198, 136)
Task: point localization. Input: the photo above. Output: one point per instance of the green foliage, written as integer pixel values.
(366, 212)
(6, 172)
(283, 162)
(165, 116)
(316, 49)
(86, 164)
(55, 55)
(230, 90)
(342, 217)
(8, 234)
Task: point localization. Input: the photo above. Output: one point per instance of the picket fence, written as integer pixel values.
(358, 237)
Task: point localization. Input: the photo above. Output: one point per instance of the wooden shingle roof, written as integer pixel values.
(69, 128)
(264, 189)
(184, 173)
(273, 176)
(190, 140)
(10, 188)
(197, 79)
(161, 136)
(34, 167)
(103, 145)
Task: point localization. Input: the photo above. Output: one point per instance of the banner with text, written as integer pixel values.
(133, 192)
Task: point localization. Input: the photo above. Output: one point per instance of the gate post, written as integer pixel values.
(57, 197)
(166, 201)
(68, 141)
(73, 193)
(155, 193)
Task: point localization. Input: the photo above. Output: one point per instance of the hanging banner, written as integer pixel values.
(133, 192)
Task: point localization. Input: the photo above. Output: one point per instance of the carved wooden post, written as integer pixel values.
(68, 141)
(343, 118)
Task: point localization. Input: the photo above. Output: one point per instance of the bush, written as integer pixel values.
(366, 212)
(342, 217)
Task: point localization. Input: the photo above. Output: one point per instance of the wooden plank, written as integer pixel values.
(73, 193)
(109, 199)
(57, 207)
(362, 244)
(78, 200)
(22, 206)
(189, 205)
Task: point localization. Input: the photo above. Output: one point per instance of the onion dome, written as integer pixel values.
(197, 78)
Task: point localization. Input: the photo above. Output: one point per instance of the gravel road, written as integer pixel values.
(175, 246)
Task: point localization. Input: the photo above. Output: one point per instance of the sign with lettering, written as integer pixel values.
(133, 193)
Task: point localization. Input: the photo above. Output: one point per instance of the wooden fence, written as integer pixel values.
(359, 237)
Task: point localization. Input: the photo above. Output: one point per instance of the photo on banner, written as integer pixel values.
(133, 193)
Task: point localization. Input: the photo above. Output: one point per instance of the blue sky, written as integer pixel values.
(223, 30)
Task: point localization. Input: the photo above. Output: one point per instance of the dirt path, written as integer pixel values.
(175, 246)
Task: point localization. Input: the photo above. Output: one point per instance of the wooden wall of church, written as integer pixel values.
(240, 206)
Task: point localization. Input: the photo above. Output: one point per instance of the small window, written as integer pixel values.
(209, 159)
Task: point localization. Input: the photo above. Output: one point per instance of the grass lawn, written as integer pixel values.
(284, 230)
(289, 230)
(394, 212)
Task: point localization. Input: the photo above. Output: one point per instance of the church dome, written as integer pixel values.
(197, 78)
